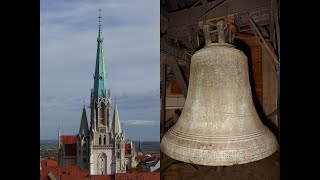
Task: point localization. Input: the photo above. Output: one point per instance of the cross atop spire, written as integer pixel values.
(100, 21)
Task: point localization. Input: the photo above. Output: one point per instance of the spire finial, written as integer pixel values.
(100, 20)
(84, 103)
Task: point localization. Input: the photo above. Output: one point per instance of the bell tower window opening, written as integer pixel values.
(100, 140)
(102, 112)
(104, 140)
(97, 113)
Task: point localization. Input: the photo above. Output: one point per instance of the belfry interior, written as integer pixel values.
(252, 26)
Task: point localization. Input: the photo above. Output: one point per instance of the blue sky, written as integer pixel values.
(68, 42)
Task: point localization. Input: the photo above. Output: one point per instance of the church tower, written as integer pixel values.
(101, 141)
(99, 148)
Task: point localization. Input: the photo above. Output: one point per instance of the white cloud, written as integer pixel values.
(141, 122)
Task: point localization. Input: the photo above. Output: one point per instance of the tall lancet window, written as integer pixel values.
(97, 113)
(99, 139)
(102, 113)
(102, 160)
(107, 110)
(104, 139)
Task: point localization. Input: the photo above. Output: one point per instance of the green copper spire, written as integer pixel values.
(100, 84)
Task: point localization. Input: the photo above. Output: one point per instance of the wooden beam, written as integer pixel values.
(182, 17)
(278, 32)
(172, 61)
(264, 43)
(178, 75)
(163, 97)
(164, 12)
(249, 38)
(214, 7)
(271, 25)
(278, 85)
(172, 50)
(196, 3)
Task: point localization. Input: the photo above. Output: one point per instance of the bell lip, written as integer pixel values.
(219, 44)
(246, 155)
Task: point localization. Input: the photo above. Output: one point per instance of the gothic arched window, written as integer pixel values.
(99, 139)
(104, 139)
(102, 160)
(102, 112)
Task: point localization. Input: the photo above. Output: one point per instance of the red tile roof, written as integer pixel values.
(142, 158)
(134, 176)
(49, 163)
(99, 177)
(127, 149)
(61, 171)
(89, 177)
(69, 139)
(71, 173)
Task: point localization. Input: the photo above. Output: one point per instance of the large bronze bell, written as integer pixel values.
(219, 125)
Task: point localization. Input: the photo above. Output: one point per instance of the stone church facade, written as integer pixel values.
(100, 147)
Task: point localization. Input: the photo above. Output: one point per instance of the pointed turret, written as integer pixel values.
(100, 84)
(84, 130)
(116, 122)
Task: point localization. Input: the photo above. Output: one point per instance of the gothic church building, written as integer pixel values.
(99, 148)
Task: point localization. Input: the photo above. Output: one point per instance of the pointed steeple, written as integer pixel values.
(100, 84)
(84, 130)
(116, 122)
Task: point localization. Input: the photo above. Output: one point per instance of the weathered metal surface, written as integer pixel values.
(206, 33)
(219, 125)
(221, 35)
